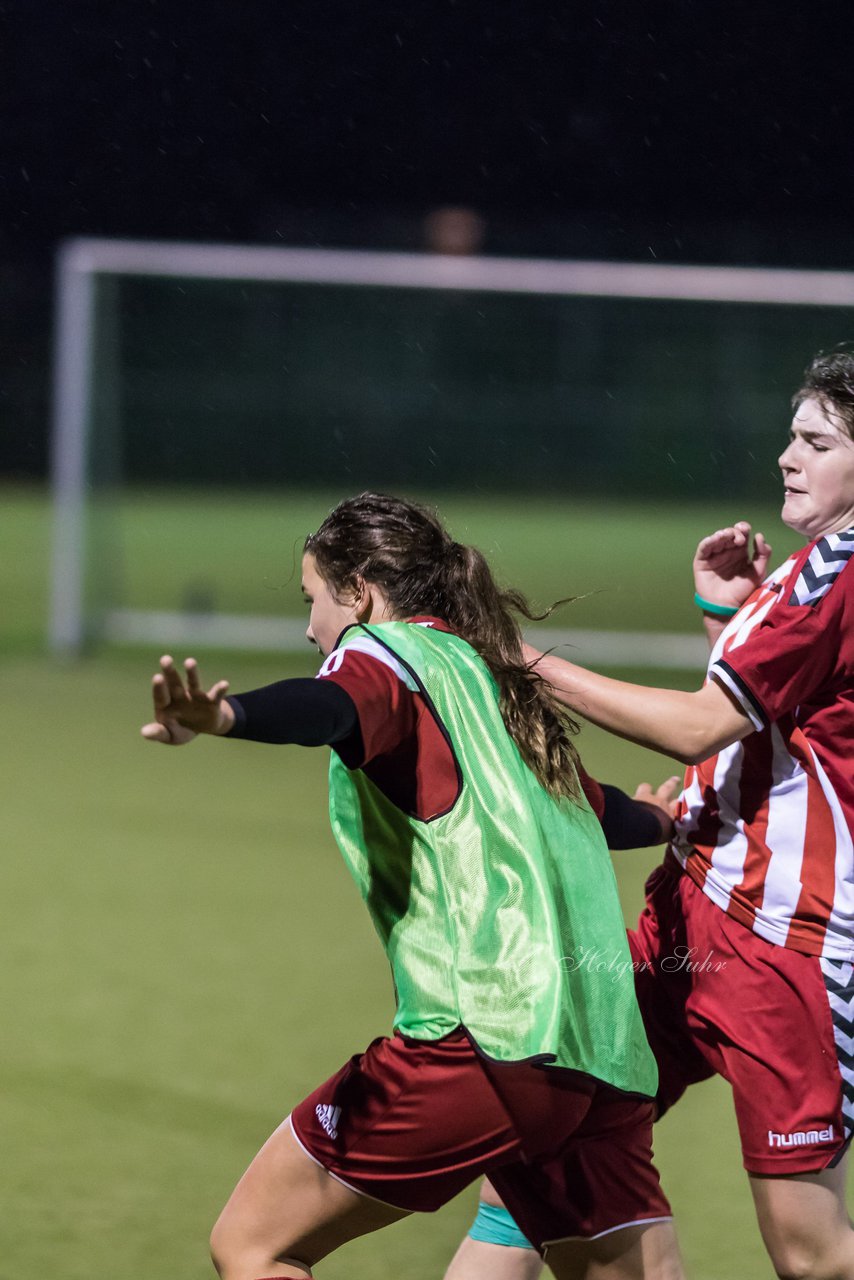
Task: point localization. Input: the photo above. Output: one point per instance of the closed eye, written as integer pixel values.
(820, 443)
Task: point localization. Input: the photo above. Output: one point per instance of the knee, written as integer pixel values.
(222, 1245)
(233, 1251)
(239, 1251)
(795, 1259)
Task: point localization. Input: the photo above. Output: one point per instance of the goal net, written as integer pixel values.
(209, 400)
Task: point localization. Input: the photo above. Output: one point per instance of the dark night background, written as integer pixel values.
(681, 131)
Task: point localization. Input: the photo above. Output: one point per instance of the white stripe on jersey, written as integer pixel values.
(739, 630)
(727, 772)
(727, 784)
(373, 649)
(784, 838)
(787, 816)
(842, 915)
(773, 898)
(736, 632)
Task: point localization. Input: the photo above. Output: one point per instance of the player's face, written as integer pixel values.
(330, 614)
(818, 473)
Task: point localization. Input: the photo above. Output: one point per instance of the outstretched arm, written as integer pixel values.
(688, 726)
(309, 713)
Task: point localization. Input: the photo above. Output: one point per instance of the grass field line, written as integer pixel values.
(662, 649)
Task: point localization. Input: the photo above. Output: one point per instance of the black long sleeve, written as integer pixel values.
(310, 713)
(627, 823)
(314, 713)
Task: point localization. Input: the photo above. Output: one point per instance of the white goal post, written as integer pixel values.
(81, 262)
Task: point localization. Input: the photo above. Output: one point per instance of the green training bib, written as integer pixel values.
(501, 915)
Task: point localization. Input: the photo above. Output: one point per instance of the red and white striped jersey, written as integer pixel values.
(765, 826)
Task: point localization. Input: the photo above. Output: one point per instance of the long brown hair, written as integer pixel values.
(404, 549)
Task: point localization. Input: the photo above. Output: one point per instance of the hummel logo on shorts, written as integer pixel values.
(802, 1138)
(328, 1117)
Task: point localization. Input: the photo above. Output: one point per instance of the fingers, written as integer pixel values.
(160, 693)
(167, 686)
(156, 733)
(662, 795)
(215, 694)
(183, 711)
(734, 535)
(670, 789)
(761, 551)
(173, 682)
(172, 677)
(194, 684)
(218, 691)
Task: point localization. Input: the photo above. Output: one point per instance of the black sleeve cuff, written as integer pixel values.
(627, 824)
(740, 692)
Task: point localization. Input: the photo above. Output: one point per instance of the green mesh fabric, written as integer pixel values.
(502, 915)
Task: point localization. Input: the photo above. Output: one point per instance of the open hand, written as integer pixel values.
(182, 711)
(726, 571)
(665, 801)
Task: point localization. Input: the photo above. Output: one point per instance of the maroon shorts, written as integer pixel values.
(717, 998)
(412, 1122)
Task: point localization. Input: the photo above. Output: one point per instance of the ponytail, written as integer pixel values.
(485, 615)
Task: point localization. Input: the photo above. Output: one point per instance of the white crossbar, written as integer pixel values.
(436, 271)
(661, 649)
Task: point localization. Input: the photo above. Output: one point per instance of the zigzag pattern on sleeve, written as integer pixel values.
(826, 561)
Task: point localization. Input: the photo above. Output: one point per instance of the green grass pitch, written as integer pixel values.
(182, 955)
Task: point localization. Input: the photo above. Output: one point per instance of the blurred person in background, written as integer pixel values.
(455, 230)
(759, 877)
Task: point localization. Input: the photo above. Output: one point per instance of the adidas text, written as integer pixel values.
(328, 1117)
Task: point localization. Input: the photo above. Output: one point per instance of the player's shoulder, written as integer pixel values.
(823, 567)
(360, 655)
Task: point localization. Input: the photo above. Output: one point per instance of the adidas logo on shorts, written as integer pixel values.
(328, 1117)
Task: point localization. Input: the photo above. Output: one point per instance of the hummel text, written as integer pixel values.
(804, 1138)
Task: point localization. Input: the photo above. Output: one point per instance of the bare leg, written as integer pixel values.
(805, 1224)
(287, 1213)
(479, 1260)
(634, 1253)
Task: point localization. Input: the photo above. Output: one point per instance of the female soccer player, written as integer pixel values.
(761, 870)
(454, 798)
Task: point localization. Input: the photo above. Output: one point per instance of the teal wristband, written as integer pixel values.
(719, 610)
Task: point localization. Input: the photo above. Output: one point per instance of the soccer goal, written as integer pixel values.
(209, 398)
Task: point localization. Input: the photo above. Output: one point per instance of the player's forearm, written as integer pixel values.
(688, 726)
